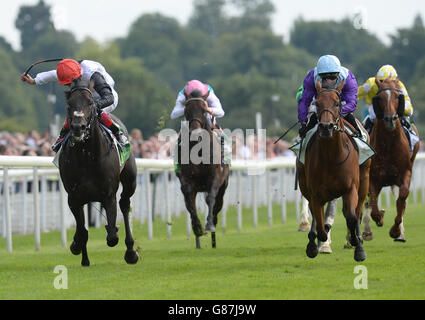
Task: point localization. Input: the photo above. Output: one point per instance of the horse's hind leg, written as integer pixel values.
(190, 202)
(128, 180)
(304, 224)
(325, 247)
(217, 208)
(397, 228)
(79, 245)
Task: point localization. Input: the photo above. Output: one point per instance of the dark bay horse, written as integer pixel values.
(393, 163)
(90, 171)
(202, 171)
(331, 170)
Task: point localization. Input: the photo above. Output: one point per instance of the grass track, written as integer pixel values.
(262, 263)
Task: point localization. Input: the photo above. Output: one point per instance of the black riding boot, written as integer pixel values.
(56, 146)
(351, 120)
(116, 130)
(368, 124)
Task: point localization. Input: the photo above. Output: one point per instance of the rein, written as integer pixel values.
(336, 124)
(200, 121)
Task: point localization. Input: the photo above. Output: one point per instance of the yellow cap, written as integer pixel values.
(387, 71)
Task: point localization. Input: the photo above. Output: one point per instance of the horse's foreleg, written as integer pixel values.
(397, 230)
(110, 205)
(350, 201)
(190, 202)
(317, 224)
(79, 245)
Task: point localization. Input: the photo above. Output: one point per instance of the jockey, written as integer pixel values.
(105, 97)
(369, 90)
(215, 110)
(330, 73)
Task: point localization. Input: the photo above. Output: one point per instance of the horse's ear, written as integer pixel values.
(318, 86)
(206, 95)
(401, 105)
(341, 86)
(378, 82)
(377, 107)
(91, 86)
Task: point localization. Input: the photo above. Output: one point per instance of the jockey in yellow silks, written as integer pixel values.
(369, 90)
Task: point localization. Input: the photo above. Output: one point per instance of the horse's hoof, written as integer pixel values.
(209, 227)
(401, 238)
(322, 236)
(112, 241)
(395, 232)
(359, 254)
(131, 257)
(304, 226)
(85, 263)
(75, 248)
(367, 236)
(198, 231)
(311, 250)
(378, 218)
(347, 245)
(325, 249)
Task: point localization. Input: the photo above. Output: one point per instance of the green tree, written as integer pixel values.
(33, 22)
(340, 38)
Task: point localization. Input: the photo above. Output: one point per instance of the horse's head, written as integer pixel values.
(196, 109)
(388, 103)
(80, 108)
(328, 105)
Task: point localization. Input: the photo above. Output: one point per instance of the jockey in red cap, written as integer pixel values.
(105, 97)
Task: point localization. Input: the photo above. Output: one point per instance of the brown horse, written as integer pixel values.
(201, 167)
(332, 170)
(392, 165)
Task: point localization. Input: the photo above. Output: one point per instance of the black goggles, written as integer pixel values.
(329, 76)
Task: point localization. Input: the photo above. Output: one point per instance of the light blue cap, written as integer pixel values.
(328, 64)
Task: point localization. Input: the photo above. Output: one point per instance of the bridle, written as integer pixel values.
(336, 123)
(200, 121)
(91, 115)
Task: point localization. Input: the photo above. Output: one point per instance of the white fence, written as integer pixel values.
(36, 201)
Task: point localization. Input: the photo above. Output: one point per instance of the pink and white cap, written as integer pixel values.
(196, 85)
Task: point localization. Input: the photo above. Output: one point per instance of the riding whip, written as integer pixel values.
(41, 61)
(286, 132)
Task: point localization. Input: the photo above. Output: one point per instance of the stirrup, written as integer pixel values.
(56, 146)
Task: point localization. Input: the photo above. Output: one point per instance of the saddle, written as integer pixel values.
(364, 150)
(124, 151)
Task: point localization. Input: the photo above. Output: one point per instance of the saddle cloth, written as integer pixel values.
(364, 149)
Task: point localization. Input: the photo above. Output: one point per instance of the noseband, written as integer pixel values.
(90, 118)
(201, 121)
(336, 118)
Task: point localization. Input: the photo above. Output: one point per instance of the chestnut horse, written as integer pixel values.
(331, 170)
(208, 174)
(393, 162)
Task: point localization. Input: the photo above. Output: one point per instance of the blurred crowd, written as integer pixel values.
(36, 144)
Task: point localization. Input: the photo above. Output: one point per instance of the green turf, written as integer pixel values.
(262, 263)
